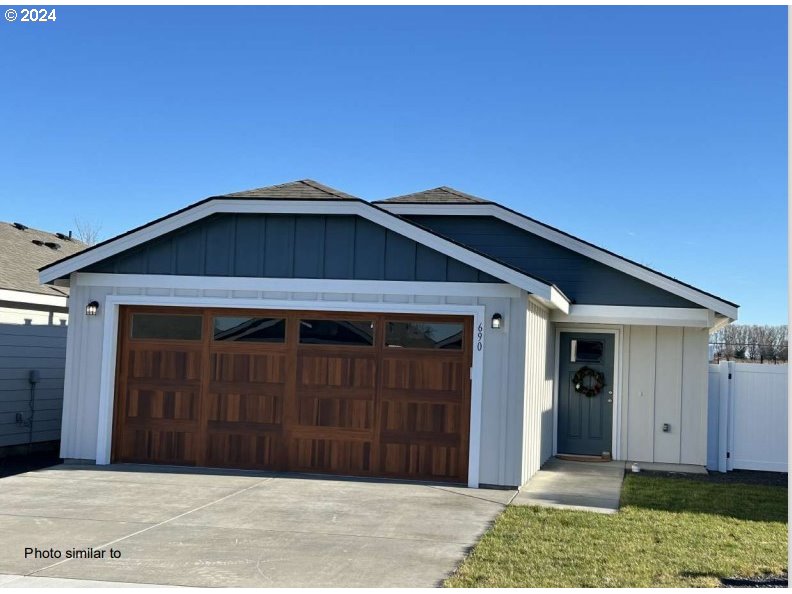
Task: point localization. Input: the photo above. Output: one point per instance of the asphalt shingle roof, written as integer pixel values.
(441, 195)
(304, 189)
(20, 258)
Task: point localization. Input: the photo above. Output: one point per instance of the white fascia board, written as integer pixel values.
(296, 285)
(222, 205)
(32, 298)
(637, 316)
(581, 247)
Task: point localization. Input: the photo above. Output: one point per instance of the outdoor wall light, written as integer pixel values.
(92, 308)
(497, 321)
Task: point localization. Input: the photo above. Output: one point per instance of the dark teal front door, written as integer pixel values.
(585, 422)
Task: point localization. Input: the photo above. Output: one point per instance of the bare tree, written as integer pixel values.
(761, 343)
(87, 232)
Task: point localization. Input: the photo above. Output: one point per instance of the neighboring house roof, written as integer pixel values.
(440, 201)
(23, 250)
(314, 198)
(441, 195)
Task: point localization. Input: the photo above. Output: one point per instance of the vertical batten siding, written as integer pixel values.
(668, 393)
(639, 393)
(501, 410)
(290, 246)
(538, 363)
(501, 451)
(694, 396)
(665, 381)
(82, 375)
(24, 348)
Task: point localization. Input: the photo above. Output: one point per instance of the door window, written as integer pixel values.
(586, 351)
(166, 326)
(424, 335)
(249, 329)
(339, 332)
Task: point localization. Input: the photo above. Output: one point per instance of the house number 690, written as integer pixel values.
(479, 336)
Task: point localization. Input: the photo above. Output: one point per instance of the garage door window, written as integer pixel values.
(249, 329)
(337, 332)
(424, 335)
(166, 327)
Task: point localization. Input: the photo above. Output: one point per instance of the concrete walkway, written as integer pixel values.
(587, 486)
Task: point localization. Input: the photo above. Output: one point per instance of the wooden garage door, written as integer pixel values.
(348, 393)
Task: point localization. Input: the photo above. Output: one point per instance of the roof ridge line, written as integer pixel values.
(323, 188)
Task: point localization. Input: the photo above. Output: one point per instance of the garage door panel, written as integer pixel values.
(423, 396)
(259, 450)
(350, 413)
(164, 446)
(145, 404)
(421, 461)
(421, 417)
(355, 370)
(245, 408)
(331, 455)
(171, 365)
(426, 373)
(249, 368)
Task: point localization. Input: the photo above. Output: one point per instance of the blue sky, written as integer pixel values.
(657, 132)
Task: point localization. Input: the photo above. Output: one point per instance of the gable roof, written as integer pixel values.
(305, 197)
(20, 257)
(430, 202)
(441, 195)
(304, 189)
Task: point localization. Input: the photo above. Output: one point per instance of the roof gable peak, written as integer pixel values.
(439, 195)
(303, 189)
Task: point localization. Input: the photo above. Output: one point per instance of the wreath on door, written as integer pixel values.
(588, 381)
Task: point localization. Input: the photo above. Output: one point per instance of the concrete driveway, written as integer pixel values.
(205, 528)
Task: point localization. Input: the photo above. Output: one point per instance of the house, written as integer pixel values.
(32, 338)
(432, 336)
(23, 250)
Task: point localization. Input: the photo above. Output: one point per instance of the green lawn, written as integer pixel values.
(669, 532)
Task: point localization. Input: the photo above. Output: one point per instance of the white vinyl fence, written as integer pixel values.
(747, 422)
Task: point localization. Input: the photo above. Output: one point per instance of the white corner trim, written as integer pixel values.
(104, 433)
(351, 207)
(616, 424)
(112, 305)
(581, 247)
(637, 316)
(308, 285)
(32, 298)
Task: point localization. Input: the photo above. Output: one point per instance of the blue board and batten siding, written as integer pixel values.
(582, 279)
(290, 246)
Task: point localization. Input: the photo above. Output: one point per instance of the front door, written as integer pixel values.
(585, 393)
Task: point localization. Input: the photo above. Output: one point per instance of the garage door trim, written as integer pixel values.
(112, 304)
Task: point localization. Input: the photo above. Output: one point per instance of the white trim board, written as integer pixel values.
(32, 298)
(548, 293)
(616, 428)
(110, 313)
(637, 316)
(307, 285)
(569, 242)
